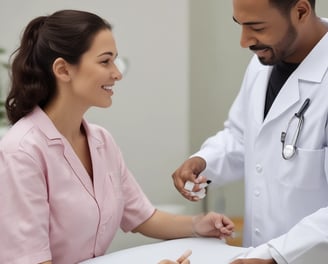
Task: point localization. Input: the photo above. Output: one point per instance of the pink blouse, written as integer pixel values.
(49, 207)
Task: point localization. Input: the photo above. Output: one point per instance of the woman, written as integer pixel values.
(64, 187)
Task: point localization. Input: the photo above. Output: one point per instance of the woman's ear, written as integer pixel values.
(60, 70)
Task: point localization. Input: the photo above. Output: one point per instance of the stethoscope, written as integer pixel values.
(289, 150)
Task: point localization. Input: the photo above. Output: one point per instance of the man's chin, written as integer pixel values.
(267, 62)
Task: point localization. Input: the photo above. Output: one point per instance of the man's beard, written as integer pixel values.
(282, 50)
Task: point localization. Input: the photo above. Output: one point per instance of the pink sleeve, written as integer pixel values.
(137, 208)
(24, 210)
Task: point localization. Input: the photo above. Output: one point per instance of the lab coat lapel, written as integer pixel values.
(285, 99)
(260, 87)
(309, 71)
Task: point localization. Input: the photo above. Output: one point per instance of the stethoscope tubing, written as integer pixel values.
(289, 150)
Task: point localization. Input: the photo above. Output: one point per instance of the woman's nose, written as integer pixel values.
(117, 75)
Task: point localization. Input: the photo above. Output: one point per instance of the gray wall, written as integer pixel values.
(217, 66)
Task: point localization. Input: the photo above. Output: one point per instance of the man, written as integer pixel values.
(276, 134)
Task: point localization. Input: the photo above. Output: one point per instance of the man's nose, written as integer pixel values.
(247, 39)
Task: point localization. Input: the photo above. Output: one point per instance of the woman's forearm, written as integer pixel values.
(164, 225)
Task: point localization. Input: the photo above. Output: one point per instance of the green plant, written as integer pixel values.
(3, 117)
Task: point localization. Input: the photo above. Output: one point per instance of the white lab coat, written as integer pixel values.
(279, 193)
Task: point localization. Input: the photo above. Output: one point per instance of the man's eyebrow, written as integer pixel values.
(250, 23)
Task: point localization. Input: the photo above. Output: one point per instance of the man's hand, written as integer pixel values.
(189, 171)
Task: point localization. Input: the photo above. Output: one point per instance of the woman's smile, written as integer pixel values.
(108, 88)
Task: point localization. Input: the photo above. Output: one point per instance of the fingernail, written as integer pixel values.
(218, 225)
(186, 254)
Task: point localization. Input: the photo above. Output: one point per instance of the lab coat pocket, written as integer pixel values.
(306, 170)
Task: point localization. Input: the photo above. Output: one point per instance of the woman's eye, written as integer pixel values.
(105, 61)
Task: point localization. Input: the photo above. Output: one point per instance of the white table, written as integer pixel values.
(204, 250)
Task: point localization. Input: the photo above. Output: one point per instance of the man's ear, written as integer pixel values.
(60, 69)
(302, 10)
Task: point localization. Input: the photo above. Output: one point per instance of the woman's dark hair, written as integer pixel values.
(66, 34)
(285, 5)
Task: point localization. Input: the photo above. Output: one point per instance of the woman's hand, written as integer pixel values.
(181, 260)
(178, 226)
(166, 261)
(213, 225)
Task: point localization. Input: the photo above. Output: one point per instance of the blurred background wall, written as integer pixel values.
(185, 69)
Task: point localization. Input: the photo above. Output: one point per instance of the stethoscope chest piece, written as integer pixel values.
(288, 151)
